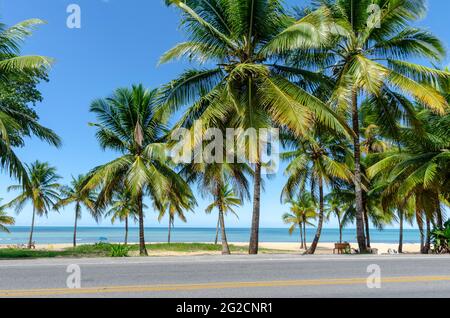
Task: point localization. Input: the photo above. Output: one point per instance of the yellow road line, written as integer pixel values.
(224, 285)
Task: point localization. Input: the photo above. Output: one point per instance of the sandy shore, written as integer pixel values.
(288, 247)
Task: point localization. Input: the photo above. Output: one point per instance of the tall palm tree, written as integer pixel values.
(224, 201)
(123, 208)
(127, 124)
(5, 220)
(366, 59)
(318, 160)
(249, 85)
(42, 191)
(16, 120)
(303, 208)
(74, 194)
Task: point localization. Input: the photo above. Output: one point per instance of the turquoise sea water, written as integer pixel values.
(54, 235)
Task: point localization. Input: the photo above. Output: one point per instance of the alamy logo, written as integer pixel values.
(74, 19)
(200, 145)
(374, 279)
(74, 279)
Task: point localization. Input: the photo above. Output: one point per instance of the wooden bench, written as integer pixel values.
(341, 248)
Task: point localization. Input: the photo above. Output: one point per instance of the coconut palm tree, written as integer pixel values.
(74, 194)
(419, 172)
(368, 57)
(42, 191)
(224, 201)
(248, 84)
(127, 124)
(17, 74)
(303, 208)
(123, 208)
(5, 220)
(176, 205)
(335, 206)
(318, 160)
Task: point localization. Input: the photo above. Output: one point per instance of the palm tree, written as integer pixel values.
(419, 172)
(369, 60)
(317, 160)
(176, 205)
(243, 40)
(42, 192)
(74, 194)
(303, 208)
(224, 201)
(338, 208)
(124, 208)
(127, 123)
(18, 121)
(5, 220)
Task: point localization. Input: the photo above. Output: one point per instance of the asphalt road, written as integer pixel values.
(234, 276)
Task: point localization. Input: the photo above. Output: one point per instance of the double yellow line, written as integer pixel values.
(203, 286)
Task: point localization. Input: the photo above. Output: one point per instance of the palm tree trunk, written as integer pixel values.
(428, 242)
(358, 180)
(366, 222)
(142, 248)
(314, 243)
(75, 230)
(225, 247)
(170, 227)
(30, 241)
(126, 230)
(340, 227)
(304, 236)
(217, 230)
(400, 240)
(254, 237)
(301, 235)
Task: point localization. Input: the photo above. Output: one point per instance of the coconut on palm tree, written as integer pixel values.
(303, 209)
(248, 85)
(42, 192)
(128, 124)
(74, 194)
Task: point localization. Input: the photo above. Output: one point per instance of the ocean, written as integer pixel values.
(55, 235)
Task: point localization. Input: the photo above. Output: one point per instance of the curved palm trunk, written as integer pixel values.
(225, 247)
(304, 236)
(75, 230)
(358, 180)
(30, 241)
(142, 248)
(126, 231)
(217, 230)
(254, 238)
(400, 240)
(366, 219)
(314, 243)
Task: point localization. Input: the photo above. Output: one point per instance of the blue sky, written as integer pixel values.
(119, 44)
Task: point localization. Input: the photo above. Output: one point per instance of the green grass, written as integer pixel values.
(106, 250)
